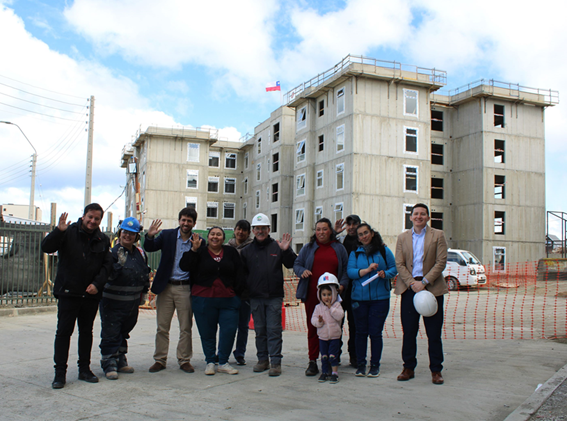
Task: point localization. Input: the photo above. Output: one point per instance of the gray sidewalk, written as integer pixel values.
(484, 380)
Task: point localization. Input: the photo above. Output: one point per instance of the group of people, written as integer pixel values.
(221, 285)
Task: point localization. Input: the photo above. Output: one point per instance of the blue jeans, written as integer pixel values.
(329, 354)
(433, 328)
(370, 317)
(242, 336)
(211, 312)
(267, 313)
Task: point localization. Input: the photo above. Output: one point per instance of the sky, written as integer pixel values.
(177, 63)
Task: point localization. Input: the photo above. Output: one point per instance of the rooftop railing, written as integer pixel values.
(397, 70)
(179, 131)
(492, 87)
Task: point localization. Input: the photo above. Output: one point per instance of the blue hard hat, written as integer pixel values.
(130, 224)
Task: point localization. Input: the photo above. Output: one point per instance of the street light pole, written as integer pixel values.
(31, 214)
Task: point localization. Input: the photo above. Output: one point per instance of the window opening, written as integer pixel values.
(300, 185)
(276, 132)
(499, 187)
(437, 188)
(499, 221)
(275, 192)
(437, 154)
(498, 115)
(437, 120)
(230, 160)
(411, 140)
(340, 138)
(410, 174)
(437, 220)
(213, 185)
(499, 151)
(212, 209)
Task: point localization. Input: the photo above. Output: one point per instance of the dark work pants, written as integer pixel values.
(83, 312)
(118, 319)
(347, 307)
(433, 328)
(242, 336)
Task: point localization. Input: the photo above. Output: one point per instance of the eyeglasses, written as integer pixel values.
(260, 228)
(130, 233)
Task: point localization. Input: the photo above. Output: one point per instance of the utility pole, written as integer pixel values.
(89, 175)
(31, 213)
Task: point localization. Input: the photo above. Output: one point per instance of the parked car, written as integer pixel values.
(463, 269)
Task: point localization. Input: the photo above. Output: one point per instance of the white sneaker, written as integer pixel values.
(210, 369)
(227, 368)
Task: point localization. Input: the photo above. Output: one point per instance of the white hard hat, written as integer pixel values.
(260, 220)
(327, 279)
(425, 303)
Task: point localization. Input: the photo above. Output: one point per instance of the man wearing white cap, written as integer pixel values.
(263, 260)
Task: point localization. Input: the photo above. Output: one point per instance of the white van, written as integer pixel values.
(463, 269)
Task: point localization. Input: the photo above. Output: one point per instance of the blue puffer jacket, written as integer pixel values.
(378, 289)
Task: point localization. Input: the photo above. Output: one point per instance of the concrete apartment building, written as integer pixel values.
(372, 138)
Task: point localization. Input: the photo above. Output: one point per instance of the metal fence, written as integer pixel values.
(26, 273)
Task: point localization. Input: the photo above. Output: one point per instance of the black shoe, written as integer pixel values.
(323, 377)
(240, 361)
(312, 369)
(88, 376)
(58, 381)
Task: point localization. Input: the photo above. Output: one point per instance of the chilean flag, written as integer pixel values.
(273, 86)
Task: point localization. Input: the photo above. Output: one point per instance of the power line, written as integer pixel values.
(35, 112)
(109, 206)
(72, 131)
(43, 120)
(37, 87)
(41, 105)
(19, 163)
(20, 174)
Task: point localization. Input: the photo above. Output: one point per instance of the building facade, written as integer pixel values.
(371, 138)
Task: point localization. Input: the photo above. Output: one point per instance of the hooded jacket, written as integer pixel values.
(379, 288)
(83, 259)
(330, 328)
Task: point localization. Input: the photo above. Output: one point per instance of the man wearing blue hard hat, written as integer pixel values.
(121, 297)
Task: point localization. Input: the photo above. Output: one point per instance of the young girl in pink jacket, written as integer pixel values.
(327, 318)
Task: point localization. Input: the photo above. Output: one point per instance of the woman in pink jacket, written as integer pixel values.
(327, 318)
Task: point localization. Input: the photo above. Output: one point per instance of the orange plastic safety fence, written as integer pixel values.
(518, 301)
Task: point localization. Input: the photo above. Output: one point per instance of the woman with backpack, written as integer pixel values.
(371, 267)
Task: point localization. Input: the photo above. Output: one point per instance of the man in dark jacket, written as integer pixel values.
(263, 260)
(173, 290)
(83, 269)
(350, 241)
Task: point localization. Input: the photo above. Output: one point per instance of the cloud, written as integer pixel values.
(119, 112)
(231, 37)
(326, 38)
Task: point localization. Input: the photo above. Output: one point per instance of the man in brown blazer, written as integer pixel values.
(421, 256)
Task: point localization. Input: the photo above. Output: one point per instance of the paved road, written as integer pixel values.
(484, 380)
